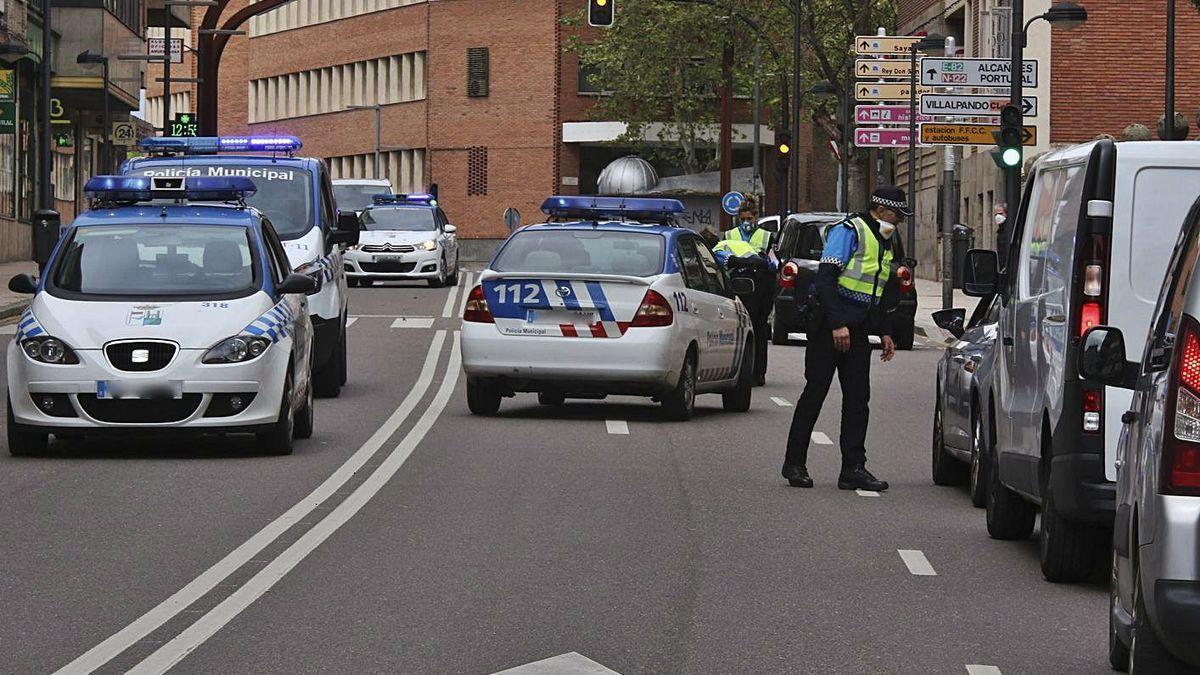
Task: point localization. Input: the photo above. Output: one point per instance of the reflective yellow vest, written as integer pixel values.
(759, 240)
(870, 266)
(735, 247)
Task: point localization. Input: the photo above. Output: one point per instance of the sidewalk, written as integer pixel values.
(929, 300)
(12, 304)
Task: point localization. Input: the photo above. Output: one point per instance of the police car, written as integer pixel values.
(609, 298)
(297, 195)
(164, 316)
(404, 237)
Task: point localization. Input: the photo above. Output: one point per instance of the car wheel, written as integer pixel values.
(279, 440)
(551, 398)
(680, 403)
(946, 469)
(452, 280)
(440, 280)
(352, 282)
(23, 443)
(1008, 515)
(977, 480)
(329, 379)
(904, 337)
(738, 399)
(1067, 548)
(1118, 652)
(304, 417)
(1147, 654)
(482, 397)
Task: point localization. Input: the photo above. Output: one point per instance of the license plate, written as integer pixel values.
(386, 258)
(121, 389)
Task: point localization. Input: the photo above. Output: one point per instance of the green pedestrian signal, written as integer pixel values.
(1010, 140)
(601, 13)
(183, 124)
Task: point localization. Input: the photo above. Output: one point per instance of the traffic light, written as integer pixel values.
(1010, 139)
(600, 13)
(783, 152)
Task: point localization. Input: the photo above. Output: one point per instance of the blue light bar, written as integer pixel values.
(423, 198)
(259, 143)
(632, 208)
(148, 188)
(211, 145)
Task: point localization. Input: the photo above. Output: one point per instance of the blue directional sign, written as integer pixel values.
(732, 201)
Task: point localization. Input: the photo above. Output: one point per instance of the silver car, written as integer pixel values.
(1154, 614)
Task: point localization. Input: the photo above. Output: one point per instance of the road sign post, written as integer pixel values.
(884, 45)
(995, 73)
(885, 114)
(870, 69)
(972, 105)
(888, 91)
(881, 137)
(124, 134)
(968, 134)
(732, 201)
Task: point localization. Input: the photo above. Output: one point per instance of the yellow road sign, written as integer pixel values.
(968, 134)
(884, 44)
(886, 91)
(869, 69)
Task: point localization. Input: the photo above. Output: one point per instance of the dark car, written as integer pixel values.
(800, 245)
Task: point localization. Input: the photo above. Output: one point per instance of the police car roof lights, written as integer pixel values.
(211, 145)
(133, 189)
(630, 208)
(423, 198)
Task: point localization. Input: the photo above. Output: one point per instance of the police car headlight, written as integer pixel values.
(352, 247)
(429, 245)
(49, 350)
(237, 349)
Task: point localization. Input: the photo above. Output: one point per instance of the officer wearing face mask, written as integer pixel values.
(854, 270)
(747, 253)
(747, 229)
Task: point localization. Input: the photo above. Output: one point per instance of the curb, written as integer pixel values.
(12, 309)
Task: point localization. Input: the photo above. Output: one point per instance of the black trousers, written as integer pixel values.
(853, 369)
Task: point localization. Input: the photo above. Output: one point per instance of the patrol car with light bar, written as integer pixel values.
(404, 237)
(610, 297)
(296, 194)
(156, 313)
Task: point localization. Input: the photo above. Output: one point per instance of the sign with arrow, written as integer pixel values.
(890, 45)
(885, 114)
(975, 72)
(882, 137)
(969, 134)
(973, 105)
(869, 69)
(887, 91)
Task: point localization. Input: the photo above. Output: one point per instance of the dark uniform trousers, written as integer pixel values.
(821, 360)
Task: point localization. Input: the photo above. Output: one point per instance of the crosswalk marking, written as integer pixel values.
(413, 322)
(782, 403)
(867, 493)
(820, 438)
(917, 563)
(617, 427)
(982, 670)
(350, 321)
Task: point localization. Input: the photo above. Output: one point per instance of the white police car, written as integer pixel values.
(163, 318)
(610, 299)
(404, 237)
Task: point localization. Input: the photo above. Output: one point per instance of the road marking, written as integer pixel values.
(820, 438)
(867, 493)
(350, 321)
(982, 670)
(467, 284)
(451, 297)
(183, 598)
(782, 403)
(413, 322)
(618, 427)
(206, 626)
(917, 563)
(571, 663)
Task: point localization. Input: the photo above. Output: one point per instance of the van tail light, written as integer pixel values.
(1093, 410)
(1091, 314)
(1092, 294)
(905, 276)
(476, 310)
(788, 274)
(1181, 447)
(654, 312)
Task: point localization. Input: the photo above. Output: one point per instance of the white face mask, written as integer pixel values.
(999, 217)
(886, 229)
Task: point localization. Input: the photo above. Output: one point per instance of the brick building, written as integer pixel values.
(478, 97)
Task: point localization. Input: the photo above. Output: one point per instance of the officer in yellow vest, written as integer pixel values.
(849, 286)
(741, 258)
(746, 229)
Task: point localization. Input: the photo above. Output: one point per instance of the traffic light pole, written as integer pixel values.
(912, 151)
(793, 179)
(1012, 175)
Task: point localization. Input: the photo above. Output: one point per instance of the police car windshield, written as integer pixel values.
(156, 260)
(408, 219)
(357, 197)
(582, 252)
(284, 193)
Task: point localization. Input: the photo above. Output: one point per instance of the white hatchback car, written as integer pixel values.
(611, 299)
(404, 237)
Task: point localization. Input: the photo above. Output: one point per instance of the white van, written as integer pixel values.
(1090, 246)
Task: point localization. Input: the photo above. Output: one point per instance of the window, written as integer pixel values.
(581, 251)
(403, 219)
(477, 171)
(689, 264)
(587, 77)
(301, 13)
(477, 72)
(128, 12)
(397, 79)
(275, 253)
(712, 272)
(405, 169)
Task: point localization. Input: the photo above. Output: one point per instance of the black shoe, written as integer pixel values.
(797, 476)
(858, 478)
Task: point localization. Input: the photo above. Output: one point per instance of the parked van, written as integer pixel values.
(1090, 247)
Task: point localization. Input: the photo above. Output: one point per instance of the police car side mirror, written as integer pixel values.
(449, 229)
(22, 283)
(297, 283)
(951, 320)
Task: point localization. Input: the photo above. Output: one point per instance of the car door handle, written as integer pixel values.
(1057, 318)
(1129, 417)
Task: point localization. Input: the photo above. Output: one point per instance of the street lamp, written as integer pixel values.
(378, 133)
(88, 57)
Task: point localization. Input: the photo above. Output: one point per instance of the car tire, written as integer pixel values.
(1147, 654)
(679, 404)
(779, 333)
(904, 337)
(483, 398)
(24, 443)
(977, 474)
(452, 280)
(281, 437)
(304, 417)
(1067, 549)
(553, 398)
(946, 469)
(352, 282)
(1118, 652)
(440, 280)
(739, 398)
(328, 381)
(1009, 516)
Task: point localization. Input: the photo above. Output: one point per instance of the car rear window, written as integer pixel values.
(582, 252)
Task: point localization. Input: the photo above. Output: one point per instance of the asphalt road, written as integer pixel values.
(408, 536)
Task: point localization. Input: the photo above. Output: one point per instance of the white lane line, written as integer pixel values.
(451, 298)
(820, 438)
(982, 670)
(564, 664)
(618, 427)
(10, 329)
(350, 321)
(467, 283)
(917, 563)
(782, 403)
(867, 493)
(413, 322)
(206, 626)
(147, 623)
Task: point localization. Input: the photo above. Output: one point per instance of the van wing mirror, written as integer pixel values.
(1102, 358)
(980, 275)
(951, 320)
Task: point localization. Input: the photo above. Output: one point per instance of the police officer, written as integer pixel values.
(746, 229)
(741, 258)
(854, 270)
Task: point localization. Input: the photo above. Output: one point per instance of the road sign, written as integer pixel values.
(883, 137)
(885, 114)
(124, 133)
(884, 44)
(975, 72)
(183, 124)
(973, 105)
(886, 91)
(154, 47)
(869, 69)
(732, 201)
(968, 134)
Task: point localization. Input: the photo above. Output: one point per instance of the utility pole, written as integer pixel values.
(166, 107)
(949, 211)
(912, 149)
(1012, 175)
(797, 58)
(45, 155)
(727, 121)
(1169, 112)
(756, 151)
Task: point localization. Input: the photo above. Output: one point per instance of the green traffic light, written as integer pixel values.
(1010, 156)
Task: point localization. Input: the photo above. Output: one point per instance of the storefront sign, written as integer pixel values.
(8, 85)
(8, 118)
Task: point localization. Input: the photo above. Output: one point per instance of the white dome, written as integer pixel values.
(627, 176)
